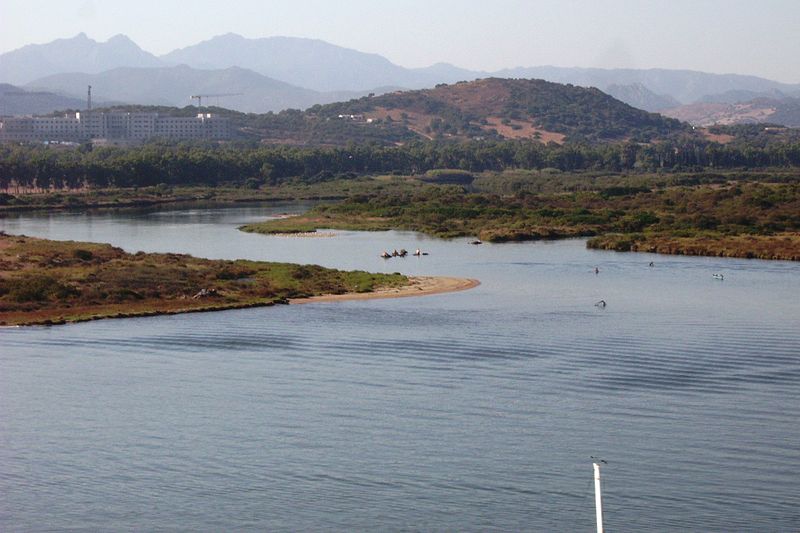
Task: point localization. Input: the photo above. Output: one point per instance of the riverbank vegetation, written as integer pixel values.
(678, 196)
(738, 219)
(49, 282)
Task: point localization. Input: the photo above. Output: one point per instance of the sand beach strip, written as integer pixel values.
(418, 286)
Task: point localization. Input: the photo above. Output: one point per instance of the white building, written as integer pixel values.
(114, 125)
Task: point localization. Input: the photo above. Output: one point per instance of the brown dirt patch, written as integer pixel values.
(517, 129)
(721, 138)
(416, 122)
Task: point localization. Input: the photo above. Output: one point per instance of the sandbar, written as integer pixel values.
(417, 286)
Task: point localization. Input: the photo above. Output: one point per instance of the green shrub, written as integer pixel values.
(83, 255)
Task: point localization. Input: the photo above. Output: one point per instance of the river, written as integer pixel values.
(470, 411)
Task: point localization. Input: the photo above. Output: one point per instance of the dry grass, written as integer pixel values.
(518, 129)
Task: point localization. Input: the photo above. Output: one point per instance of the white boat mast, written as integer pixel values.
(598, 498)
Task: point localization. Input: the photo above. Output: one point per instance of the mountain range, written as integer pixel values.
(78, 54)
(276, 73)
(245, 90)
(312, 63)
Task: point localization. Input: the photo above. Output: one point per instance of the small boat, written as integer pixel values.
(386, 255)
(476, 242)
(718, 276)
(403, 252)
(601, 303)
(417, 252)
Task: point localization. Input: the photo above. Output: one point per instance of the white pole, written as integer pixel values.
(598, 498)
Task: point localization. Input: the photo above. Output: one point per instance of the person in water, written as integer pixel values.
(596, 270)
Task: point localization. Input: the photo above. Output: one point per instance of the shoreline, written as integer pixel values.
(418, 286)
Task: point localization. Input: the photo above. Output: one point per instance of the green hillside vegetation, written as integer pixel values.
(45, 282)
(463, 109)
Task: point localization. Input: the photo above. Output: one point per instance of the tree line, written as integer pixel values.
(59, 167)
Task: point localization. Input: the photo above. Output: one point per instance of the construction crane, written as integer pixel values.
(199, 97)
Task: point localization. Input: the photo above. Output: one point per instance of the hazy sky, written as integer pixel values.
(760, 37)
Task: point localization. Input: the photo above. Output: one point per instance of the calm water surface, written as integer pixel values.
(473, 411)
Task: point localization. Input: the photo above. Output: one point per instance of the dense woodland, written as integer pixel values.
(58, 167)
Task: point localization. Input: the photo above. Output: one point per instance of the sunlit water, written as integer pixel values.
(472, 411)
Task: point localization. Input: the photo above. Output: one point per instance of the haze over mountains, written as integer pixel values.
(276, 73)
(172, 86)
(78, 54)
(14, 101)
(312, 64)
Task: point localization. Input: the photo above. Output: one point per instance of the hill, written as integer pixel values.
(493, 108)
(736, 96)
(17, 101)
(783, 111)
(639, 96)
(78, 54)
(172, 86)
(685, 86)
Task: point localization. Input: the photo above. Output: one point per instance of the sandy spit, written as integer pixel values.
(418, 286)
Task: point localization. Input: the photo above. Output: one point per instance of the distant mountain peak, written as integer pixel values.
(76, 54)
(120, 38)
(230, 36)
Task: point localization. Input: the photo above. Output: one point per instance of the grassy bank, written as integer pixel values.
(164, 195)
(783, 246)
(738, 219)
(48, 282)
(141, 197)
